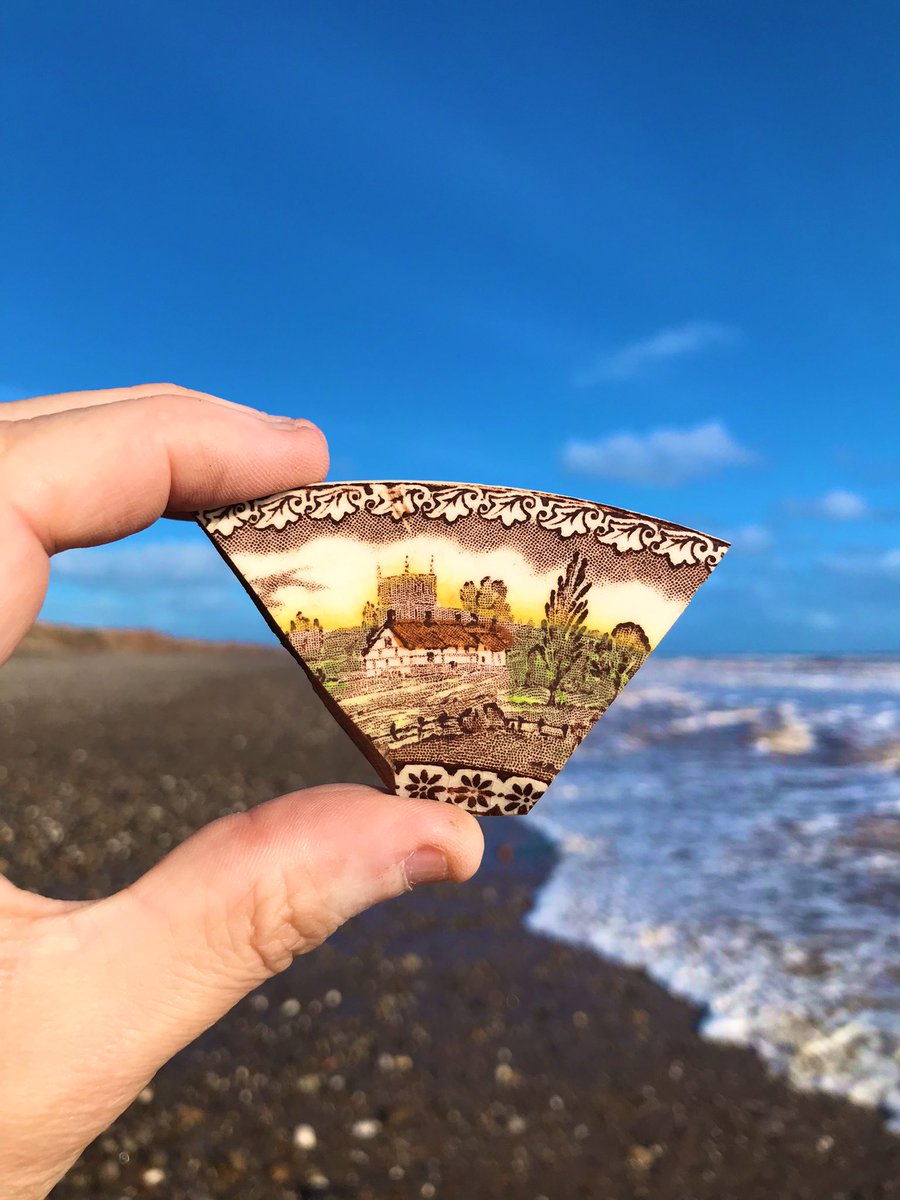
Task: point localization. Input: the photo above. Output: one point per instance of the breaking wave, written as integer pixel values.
(734, 827)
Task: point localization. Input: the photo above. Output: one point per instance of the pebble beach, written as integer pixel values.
(434, 1047)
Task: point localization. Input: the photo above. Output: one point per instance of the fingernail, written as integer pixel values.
(287, 422)
(425, 865)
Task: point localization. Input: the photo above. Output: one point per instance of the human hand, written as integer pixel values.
(96, 996)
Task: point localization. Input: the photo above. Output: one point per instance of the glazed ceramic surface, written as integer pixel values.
(466, 636)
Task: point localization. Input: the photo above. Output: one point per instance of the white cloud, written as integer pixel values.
(822, 621)
(751, 539)
(664, 457)
(137, 565)
(677, 342)
(883, 562)
(839, 505)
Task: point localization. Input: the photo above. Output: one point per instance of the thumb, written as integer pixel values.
(238, 901)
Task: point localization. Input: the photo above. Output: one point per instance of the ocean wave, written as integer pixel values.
(744, 848)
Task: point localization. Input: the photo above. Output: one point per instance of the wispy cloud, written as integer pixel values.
(180, 586)
(139, 566)
(821, 620)
(861, 562)
(269, 586)
(664, 457)
(837, 505)
(751, 539)
(680, 341)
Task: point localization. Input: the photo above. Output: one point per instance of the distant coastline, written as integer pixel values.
(46, 639)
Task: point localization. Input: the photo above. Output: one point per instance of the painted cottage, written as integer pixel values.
(405, 646)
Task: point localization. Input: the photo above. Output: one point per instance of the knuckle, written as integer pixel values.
(280, 928)
(164, 409)
(282, 914)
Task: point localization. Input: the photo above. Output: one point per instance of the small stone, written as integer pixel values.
(825, 1143)
(505, 1075)
(333, 998)
(403, 1062)
(317, 1180)
(642, 1158)
(557, 1104)
(411, 963)
(516, 1125)
(580, 1132)
(153, 1176)
(427, 1191)
(189, 1116)
(386, 1062)
(366, 1128)
(396, 1172)
(309, 1084)
(110, 1171)
(259, 1003)
(580, 1020)
(290, 1008)
(305, 1137)
(145, 1096)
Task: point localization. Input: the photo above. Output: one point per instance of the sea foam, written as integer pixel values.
(734, 828)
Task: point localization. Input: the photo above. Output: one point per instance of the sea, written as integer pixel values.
(733, 827)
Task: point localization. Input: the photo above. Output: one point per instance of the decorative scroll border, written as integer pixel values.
(626, 532)
(485, 793)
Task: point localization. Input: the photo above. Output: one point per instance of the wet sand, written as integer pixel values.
(434, 1047)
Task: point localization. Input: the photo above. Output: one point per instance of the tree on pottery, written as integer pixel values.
(501, 609)
(618, 655)
(631, 636)
(369, 615)
(468, 596)
(484, 599)
(562, 647)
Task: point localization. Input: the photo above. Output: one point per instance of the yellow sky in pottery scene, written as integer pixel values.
(345, 570)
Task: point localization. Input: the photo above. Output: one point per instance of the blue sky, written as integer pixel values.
(645, 253)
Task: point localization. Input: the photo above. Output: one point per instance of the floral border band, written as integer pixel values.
(626, 532)
(485, 793)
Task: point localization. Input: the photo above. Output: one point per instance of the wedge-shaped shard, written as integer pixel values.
(467, 637)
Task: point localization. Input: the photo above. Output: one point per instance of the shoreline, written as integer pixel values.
(436, 1046)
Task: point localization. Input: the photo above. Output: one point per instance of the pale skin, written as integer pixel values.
(96, 996)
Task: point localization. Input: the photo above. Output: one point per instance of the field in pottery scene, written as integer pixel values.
(471, 635)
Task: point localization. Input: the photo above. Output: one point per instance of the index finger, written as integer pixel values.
(90, 475)
(40, 406)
